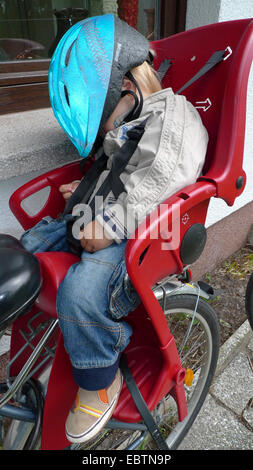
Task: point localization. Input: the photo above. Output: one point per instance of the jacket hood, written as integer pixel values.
(153, 104)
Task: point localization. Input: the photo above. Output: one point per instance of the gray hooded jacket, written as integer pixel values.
(169, 156)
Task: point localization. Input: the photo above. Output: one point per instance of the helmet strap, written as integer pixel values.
(136, 111)
(123, 118)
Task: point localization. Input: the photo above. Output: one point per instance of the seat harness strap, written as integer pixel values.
(163, 68)
(215, 59)
(111, 183)
(87, 185)
(141, 405)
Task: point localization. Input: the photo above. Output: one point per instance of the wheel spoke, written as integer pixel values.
(191, 329)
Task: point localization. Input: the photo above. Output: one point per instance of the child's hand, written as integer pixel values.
(68, 189)
(93, 237)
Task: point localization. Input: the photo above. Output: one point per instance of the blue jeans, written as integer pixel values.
(91, 302)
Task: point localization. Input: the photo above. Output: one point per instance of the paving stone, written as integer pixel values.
(234, 386)
(250, 345)
(248, 414)
(233, 343)
(4, 344)
(216, 428)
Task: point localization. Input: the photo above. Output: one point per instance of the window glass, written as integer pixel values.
(148, 18)
(31, 29)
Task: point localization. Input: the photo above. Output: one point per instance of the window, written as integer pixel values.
(172, 17)
(31, 29)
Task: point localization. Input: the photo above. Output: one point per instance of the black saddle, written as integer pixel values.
(20, 280)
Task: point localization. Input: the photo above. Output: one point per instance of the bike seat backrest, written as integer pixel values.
(214, 93)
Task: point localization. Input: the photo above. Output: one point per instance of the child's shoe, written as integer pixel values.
(91, 411)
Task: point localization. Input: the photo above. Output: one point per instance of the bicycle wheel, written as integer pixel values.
(195, 328)
(249, 300)
(20, 423)
(196, 331)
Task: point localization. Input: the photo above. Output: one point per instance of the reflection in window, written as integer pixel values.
(142, 15)
(31, 29)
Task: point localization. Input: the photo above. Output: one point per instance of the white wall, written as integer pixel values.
(199, 13)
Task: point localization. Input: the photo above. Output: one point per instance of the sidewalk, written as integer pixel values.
(225, 421)
(32, 141)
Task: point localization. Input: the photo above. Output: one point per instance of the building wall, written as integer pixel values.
(227, 227)
(202, 12)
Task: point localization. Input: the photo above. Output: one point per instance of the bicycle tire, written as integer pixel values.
(183, 308)
(205, 317)
(249, 301)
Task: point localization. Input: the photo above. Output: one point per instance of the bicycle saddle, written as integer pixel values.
(20, 280)
(8, 241)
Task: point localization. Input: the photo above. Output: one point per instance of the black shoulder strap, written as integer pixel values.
(163, 68)
(215, 58)
(87, 184)
(111, 183)
(120, 160)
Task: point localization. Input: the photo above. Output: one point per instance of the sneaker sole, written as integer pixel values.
(98, 426)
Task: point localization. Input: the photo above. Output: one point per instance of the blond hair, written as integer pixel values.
(147, 78)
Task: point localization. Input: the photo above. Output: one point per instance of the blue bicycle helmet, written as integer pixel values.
(86, 74)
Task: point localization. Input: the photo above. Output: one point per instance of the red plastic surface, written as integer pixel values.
(54, 267)
(21, 337)
(225, 87)
(60, 397)
(55, 203)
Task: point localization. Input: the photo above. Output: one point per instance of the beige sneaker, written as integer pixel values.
(91, 411)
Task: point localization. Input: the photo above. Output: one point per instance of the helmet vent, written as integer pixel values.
(68, 54)
(66, 94)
